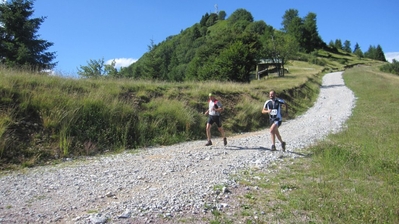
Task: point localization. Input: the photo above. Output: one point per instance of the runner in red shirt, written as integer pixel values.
(214, 111)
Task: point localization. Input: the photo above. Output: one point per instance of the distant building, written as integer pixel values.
(266, 66)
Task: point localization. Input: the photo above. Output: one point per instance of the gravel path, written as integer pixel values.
(160, 184)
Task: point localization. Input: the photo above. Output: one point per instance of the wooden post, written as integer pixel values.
(257, 71)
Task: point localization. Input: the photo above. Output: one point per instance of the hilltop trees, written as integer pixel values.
(375, 53)
(227, 49)
(20, 46)
(214, 49)
(303, 30)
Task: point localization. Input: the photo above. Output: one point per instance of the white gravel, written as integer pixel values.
(162, 182)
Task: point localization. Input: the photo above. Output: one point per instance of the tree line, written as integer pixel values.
(215, 48)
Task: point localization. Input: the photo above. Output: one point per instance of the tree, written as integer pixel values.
(111, 71)
(295, 29)
(311, 37)
(380, 54)
(258, 27)
(279, 46)
(331, 44)
(303, 30)
(204, 19)
(240, 14)
(222, 15)
(357, 51)
(97, 68)
(20, 46)
(338, 44)
(375, 53)
(289, 15)
(212, 19)
(356, 47)
(347, 46)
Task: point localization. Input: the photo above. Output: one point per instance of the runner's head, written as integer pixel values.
(272, 94)
(211, 96)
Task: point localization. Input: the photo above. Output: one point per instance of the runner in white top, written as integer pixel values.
(273, 108)
(215, 108)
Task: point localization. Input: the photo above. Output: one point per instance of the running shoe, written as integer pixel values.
(208, 143)
(283, 146)
(225, 141)
(273, 148)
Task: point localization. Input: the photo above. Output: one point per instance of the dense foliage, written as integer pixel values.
(375, 53)
(357, 51)
(303, 29)
(391, 67)
(20, 46)
(224, 49)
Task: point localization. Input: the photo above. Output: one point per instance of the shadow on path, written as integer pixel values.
(260, 148)
(331, 86)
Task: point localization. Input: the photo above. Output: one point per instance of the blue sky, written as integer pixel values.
(84, 30)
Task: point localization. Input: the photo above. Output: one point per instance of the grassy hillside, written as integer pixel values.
(47, 118)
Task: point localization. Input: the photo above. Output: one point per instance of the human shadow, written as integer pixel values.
(261, 148)
(331, 86)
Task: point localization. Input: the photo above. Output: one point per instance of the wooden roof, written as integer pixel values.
(269, 61)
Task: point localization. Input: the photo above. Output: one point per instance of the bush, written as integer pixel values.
(391, 67)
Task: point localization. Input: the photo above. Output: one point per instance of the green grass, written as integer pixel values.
(352, 177)
(47, 118)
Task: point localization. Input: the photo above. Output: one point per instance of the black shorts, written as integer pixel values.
(214, 119)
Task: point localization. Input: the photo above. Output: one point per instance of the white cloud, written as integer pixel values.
(121, 62)
(49, 72)
(392, 55)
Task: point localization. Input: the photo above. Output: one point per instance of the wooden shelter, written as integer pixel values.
(266, 66)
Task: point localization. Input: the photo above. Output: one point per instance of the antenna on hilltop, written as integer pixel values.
(216, 9)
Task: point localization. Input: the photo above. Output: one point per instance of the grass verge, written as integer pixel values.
(351, 177)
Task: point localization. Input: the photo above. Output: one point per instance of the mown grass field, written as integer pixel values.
(351, 177)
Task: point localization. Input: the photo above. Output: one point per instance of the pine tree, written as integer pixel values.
(311, 37)
(357, 51)
(347, 46)
(20, 46)
(356, 47)
(380, 54)
(338, 44)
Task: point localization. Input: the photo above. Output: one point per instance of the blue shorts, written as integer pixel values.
(278, 122)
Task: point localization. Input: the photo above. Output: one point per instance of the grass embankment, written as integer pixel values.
(352, 177)
(46, 118)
